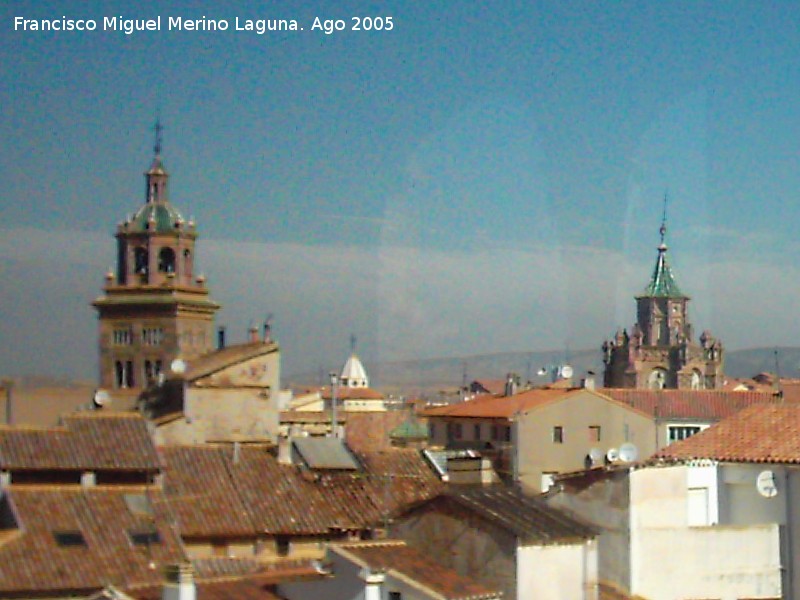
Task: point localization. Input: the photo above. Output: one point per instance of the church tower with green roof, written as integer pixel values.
(155, 308)
(660, 351)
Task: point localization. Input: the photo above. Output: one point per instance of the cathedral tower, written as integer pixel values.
(154, 308)
(660, 352)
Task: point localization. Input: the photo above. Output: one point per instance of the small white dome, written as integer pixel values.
(353, 374)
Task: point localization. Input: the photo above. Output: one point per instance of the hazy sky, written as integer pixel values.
(487, 176)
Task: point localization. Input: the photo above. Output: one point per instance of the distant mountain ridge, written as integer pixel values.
(434, 374)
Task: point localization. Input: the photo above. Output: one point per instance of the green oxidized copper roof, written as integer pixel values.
(162, 215)
(662, 283)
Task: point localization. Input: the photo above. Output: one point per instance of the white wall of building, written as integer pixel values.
(684, 545)
(557, 572)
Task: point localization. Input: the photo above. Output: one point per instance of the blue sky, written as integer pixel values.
(487, 176)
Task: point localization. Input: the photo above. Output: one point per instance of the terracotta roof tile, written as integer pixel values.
(291, 500)
(96, 548)
(688, 404)
(86, 441)
(763, 433)
(395, 557)
(488, 406)
(527, 517)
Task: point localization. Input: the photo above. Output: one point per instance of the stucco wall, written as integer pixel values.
(671, 559)
(566, 572)
(539, 453)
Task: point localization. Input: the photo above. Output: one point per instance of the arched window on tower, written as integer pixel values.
(187, 263)
(657, 379)
(140, 260)
(166, 260)
(119, 374)
(697, 380)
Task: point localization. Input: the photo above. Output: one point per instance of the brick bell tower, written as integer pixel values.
(154, 309)
(660, 353)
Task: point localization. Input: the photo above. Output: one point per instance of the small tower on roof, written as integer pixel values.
(660, 351)
(154, 308)
(354, 375)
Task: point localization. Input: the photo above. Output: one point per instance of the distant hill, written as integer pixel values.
(435, 374)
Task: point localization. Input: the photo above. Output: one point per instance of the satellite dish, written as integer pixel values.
(566, 371)
(542, 371)
(766, 485)
(101, 398)
(178, 366)
(628, 452)
(612, 455)
(596, 454)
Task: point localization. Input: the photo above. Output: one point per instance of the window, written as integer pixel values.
(69, 538)
(144, 538)
(594, 433)
(432, 431)
(123, 336)
(395, 596)
(495, 432)
(166, 260)
(476, 432)
(558, 434)
(152, 369)
(507, 434)
(140, 260)
(152, 336)
(123, 374)
(681, 432)
(282, 545)
(457, 431)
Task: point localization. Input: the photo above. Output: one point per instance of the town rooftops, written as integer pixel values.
(396, 558)
(763, 433)
(709, 405)
(75, 541)
(298, 501)
(506, 407)
(489, 406)
(90, 441)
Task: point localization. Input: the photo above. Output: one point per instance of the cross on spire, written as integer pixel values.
(663, 229)
(352, 343)
(158, 128)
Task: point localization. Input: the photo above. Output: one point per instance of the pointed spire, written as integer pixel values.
(662, 283)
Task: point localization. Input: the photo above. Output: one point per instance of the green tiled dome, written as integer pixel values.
(162, 215)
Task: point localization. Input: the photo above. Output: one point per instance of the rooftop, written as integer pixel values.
(395, 557)
(763, 433)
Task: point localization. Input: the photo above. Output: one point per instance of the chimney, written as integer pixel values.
(267, 331)
(179, 584)
(221, 337)
(588, 382)
(511, 384)
(285, 449)
(252, 334)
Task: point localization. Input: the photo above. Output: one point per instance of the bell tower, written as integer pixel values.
(154, 308)
(660, 352)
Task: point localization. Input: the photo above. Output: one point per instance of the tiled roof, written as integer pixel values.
(527, 517)
(104, 518)
(764, 433)
(352, 393)
(662, 283)
(395, 557)
(204, 510)
(488, 406)
(210, 363)
(87, 441)
(298, 501)
(708, 405)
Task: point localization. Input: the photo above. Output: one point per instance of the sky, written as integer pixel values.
(484, 177)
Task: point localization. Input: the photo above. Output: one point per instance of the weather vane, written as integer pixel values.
(663, 229)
